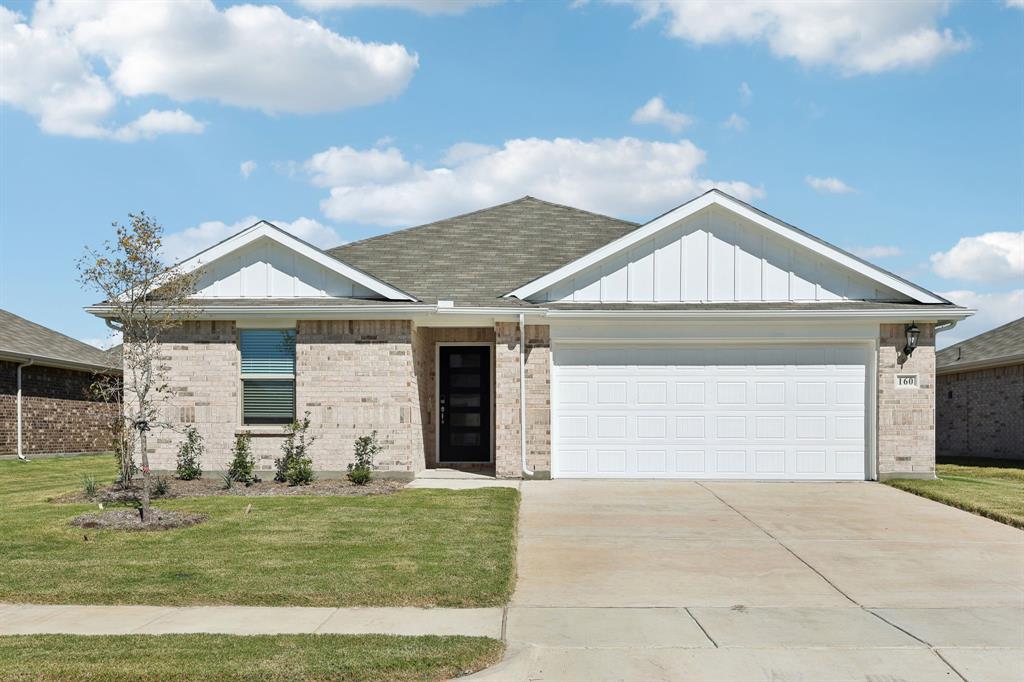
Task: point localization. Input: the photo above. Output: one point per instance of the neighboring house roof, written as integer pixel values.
(474, 259)
(21, 339)
(115, 356)
(996, 347)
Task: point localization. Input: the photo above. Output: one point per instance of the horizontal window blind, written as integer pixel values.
(266, 401)
(268, 351)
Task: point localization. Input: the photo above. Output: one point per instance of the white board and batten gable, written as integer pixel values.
(264, 261)
(717, 249)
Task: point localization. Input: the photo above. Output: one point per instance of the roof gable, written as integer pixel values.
(716, 248)
(263, 261)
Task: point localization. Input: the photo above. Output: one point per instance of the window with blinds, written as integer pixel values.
(268, 376)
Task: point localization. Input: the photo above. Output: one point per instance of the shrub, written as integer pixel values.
(189, 454)
(360, 470)
(242, 462)
(295, 466)
(227, 482)
(89, 485)
(160, 486)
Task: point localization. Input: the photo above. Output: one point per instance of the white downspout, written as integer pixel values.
(522, 392)
(21, 454)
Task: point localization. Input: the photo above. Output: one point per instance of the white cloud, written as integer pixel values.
(178, 246)
(421, 6)
(349, 166)
(856, 36)
(746, 94)
(154, 123)
(991, 257)
(993, 309)
(247, 168)
(655, 111)
(877, 251)
(386, 141)
(624, 177)
(104, 342)
(735, 122)
(1015, 3)
(185, 51)
(828, 185)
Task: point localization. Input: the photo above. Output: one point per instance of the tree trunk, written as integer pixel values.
(144, 458)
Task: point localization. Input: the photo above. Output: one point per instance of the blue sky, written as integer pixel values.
(896, 130)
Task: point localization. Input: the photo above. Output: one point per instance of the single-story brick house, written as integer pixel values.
(534, 339)
(46, 405)
(980, 389)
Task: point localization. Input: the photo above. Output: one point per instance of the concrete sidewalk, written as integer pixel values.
(32, 619)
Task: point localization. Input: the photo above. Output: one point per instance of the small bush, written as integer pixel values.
(89, 485)
(189, 454)
(160, 486)
(227, 482)
(295, 466)
(242, 462)
(360, 470)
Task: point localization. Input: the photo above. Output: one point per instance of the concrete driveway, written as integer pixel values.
(631, 580)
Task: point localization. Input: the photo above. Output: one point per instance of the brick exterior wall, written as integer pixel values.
(906, 416)
(353, 377)
(356, 377)
(508, 460)
(981, 413)
(202, 364)
(59, 413)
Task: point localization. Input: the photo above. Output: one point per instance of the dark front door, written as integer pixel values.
(464, 404)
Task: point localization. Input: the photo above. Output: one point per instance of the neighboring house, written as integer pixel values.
(980, 386)
(46, 402)
(529, 338)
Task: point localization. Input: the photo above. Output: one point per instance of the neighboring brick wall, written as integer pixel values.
(59, 412)
(508, 457)
(425, 351)
(355, 377)
(981, 413)
(906, 416)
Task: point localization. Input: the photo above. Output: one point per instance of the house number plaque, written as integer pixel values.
(906, 381)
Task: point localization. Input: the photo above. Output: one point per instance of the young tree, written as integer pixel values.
(143, 299)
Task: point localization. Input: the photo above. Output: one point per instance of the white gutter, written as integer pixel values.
(21, 455)
(522, 392)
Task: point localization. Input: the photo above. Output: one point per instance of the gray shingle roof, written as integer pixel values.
(1002, 345)
(476, 258)
(23, 338)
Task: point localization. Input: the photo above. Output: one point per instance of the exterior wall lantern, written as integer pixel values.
(912, 335)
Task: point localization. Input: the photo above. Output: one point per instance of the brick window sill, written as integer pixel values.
(261, 430)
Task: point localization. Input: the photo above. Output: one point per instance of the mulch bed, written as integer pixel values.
(131, 519)
(210, 487)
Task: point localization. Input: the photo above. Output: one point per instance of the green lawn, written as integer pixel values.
(992, 488)
(412, 548)
(224, 657)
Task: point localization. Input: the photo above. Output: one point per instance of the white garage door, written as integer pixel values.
(740, 412)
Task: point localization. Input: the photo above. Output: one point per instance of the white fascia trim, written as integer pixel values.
(716, 198)
(271, 231)
(980, 364)
(48, 361)
(865, 315)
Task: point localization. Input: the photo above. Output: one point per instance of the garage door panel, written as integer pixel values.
(653, 413)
